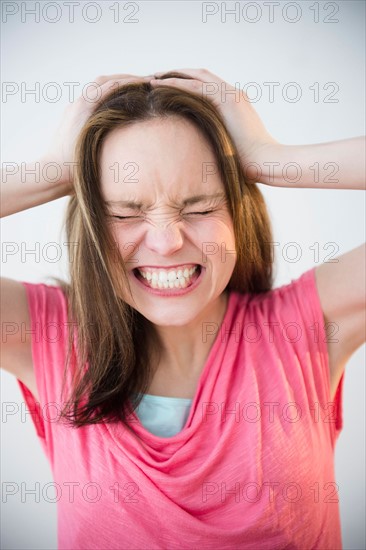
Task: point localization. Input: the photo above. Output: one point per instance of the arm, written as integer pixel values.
(340, 284)
(16, 353)
(332, 165)
(341, 288)
(21, 190)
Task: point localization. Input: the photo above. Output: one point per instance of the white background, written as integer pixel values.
(172, 35)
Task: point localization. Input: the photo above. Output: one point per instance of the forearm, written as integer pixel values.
(24, 186)
(332, 165)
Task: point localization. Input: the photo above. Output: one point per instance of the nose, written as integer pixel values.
(164, 239)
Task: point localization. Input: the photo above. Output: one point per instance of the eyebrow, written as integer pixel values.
(186, 202)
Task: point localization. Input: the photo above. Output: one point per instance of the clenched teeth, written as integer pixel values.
(172, 278)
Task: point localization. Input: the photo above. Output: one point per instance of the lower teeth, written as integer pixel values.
(167, 285)
(171, 284)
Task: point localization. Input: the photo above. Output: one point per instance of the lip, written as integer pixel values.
(171, 293)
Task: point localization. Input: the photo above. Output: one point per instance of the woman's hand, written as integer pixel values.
(61, 150)
(250, 136)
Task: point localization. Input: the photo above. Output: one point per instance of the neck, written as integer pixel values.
(184, 349)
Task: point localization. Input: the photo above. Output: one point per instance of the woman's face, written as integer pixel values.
(150, 174)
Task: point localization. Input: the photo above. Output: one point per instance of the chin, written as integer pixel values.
(170, 319)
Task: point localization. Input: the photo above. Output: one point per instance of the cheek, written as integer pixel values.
(217, 231)
(126, 242)
(216, 240)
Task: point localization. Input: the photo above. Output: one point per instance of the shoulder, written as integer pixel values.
(33, 316)
(288, 315)
(49, 320)
(45, 299)
(300, 293)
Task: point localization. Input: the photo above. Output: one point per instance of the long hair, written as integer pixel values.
(111, 365)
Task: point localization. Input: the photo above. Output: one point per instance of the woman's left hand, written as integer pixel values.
(250, 136)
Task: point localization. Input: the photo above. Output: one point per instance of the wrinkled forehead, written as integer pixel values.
(162, 157)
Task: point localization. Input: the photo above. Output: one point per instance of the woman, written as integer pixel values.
(205, 404)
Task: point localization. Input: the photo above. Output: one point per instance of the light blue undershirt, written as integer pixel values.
(163, 416)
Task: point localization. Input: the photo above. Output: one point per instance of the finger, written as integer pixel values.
(195, 85)
(199, 74)
(106, 78)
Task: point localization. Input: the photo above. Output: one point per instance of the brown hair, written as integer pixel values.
(111, 365)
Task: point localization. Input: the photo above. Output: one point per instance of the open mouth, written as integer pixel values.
(168, 279)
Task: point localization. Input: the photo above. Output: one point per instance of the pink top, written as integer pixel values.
(253, 467)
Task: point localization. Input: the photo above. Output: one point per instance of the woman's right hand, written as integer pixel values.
(62, 148)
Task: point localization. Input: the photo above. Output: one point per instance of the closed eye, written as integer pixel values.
(126, 217)
(198, 213)
(203, 213)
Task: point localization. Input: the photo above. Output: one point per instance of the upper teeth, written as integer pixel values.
(165, 276)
